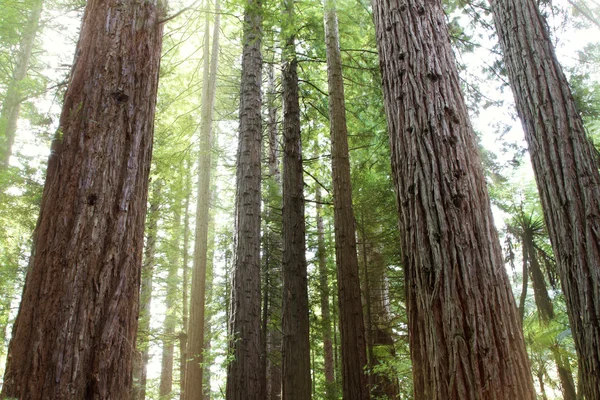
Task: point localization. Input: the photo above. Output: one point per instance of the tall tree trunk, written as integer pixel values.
(244, 372)
(14, 96)
(566, 171)
(352, 328)
(170, 321)
(543, 301)
(272, 248)
(296, 380)
(465, 335)
(143, 332)
(209, 292)
(525, 277)
(194, 369)
(330, 385)
(185, 262)
(78, 316)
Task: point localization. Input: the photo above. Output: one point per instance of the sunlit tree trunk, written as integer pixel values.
(244, 373)
(194, 369)
(77, 321)
(296, 379)
(11, 105)
(352, 328)
(330, 388)
(170, 321)
(565, 168)
(143, 338)
(185, 284)
(465, 335)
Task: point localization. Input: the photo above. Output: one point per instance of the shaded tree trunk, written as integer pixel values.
(565, 375)
(194, 369)
(464, 329)
(352, 328)
(296, 379)
(566, 171)
(78, 316)
(272, 249)
(11, 106)
(330, 388)
(525, 277)
(244, 372)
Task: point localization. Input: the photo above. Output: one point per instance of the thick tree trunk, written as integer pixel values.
(78, 316)
(330, 388)
(352, 328)
(244, 373)
(170, 321)
(296, 379)
(194, 369)
(11, 106)
(566, 171)
(465, 335)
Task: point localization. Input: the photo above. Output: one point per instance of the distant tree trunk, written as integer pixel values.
(194, 369)
(525, 277)
(244, 372)
(565, 375)
(209, 293)
(352, 328)
(185, 289)
(11, 105)
(143, 338)
(543, 301)
(330, 388)
(78, 316)
(465, 335)
(272, 249)
(566, 171)
(170, 321)
(296, 380)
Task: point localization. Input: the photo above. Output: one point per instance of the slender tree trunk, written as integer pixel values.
(565, 375)
(11, 107)
(143, 338)
(330, 388)
(194, 369)
(465, 335)
(78, 316)
(296, 380)
(525, 277)
(244, 373)
(352, 328)
(272, 248)
(170, 321)
(566, 171)
(184, 309)
(543, 301)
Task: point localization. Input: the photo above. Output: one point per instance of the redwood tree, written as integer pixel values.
(352, 328)
(565, 168)
(296, 379)
(245, 375)
(465, 336)
(78, 316)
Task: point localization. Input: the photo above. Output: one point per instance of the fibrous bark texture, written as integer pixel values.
(352, 328)
(565, 169)
(465, 335)
(78, 316)
(296, 379)
(244, 374)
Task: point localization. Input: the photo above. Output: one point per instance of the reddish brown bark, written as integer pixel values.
(78, 316)
(565, 168)
(352, 328)
(296, 379)
(465, 335)
(245, 373)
